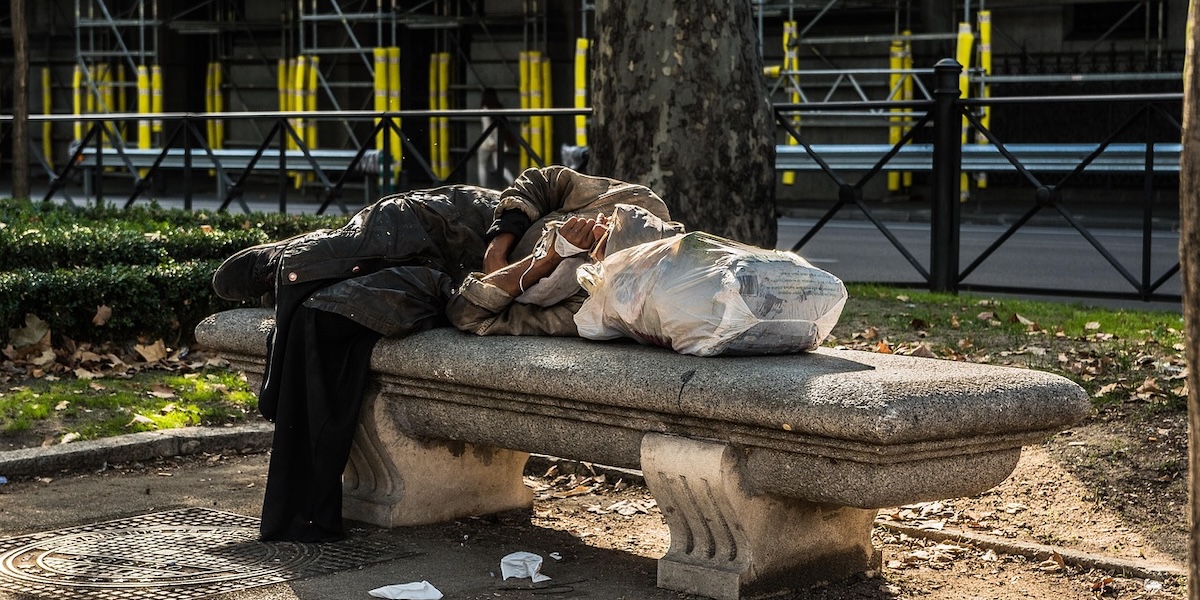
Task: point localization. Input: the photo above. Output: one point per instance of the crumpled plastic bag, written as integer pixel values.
(701, 294)
(522, 564)
(417, 590)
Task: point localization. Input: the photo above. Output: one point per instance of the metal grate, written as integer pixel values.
(187, 553)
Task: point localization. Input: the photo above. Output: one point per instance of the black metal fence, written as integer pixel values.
(936, 144)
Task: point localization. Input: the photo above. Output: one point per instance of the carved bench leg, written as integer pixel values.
(393, 480)
(727, 544)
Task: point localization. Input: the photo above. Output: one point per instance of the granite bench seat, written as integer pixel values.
(769, 470)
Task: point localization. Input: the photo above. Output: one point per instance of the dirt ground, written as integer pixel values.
(1104, 495)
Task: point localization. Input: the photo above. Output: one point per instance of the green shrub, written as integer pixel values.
(164, 301)
(150, 265)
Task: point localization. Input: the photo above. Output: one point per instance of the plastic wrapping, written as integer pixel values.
(700, 294)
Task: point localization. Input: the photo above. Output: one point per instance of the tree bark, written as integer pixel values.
(20, 131)
(680, 106)
(1189, 265)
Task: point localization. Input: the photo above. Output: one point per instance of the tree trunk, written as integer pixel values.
(20, 131)
(680, 106)
(1189, 265)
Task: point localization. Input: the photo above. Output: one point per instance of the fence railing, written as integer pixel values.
(282, 151)
(946, 122)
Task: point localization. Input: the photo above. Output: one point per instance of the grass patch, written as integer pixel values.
(1128, 360)
(49, 411)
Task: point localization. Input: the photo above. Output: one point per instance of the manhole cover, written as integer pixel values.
(192, 552)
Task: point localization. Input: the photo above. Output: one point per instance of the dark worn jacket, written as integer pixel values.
(391, 268)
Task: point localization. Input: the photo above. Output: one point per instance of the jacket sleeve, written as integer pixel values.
(484, 309)
(537, 192)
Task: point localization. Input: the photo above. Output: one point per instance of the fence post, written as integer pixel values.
(947, 164)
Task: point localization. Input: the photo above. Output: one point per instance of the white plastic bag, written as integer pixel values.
(704, 295)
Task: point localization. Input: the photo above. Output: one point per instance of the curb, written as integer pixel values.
(1119, 566)
(134, 447)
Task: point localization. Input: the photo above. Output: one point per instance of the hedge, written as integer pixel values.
(161, 301)
(150, 265)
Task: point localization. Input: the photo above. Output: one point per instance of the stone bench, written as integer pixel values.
(769, 470)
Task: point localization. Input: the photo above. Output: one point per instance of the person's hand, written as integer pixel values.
(496, 255)
(580, 232)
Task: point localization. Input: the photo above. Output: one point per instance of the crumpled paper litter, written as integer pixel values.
(522, 564)
(417, 590)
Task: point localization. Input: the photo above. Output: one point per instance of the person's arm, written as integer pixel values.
(498, 249)
(484, 304)
(514, 279)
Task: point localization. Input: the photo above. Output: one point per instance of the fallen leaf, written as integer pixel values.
(152, 352)
(140, 419)
(35, 332)
(883, 347)
(43, 359)
(70, 437)
(103, 314)
(1092, 325)
(161, 391)
(576, 491)
(82, 373)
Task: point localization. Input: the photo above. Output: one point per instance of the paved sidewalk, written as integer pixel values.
(98, 482)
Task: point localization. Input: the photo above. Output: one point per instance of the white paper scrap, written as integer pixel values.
(417, 590)
(522, 564)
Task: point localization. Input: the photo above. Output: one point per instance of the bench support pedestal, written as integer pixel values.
(393, 479)
(727, 544)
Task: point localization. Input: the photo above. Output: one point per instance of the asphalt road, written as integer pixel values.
(1050, 258)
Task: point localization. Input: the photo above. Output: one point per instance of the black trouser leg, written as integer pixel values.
(321, 386)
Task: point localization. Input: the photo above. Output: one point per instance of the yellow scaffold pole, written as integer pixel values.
(907, 65)
(444, 122)
(895, 92)
(143, 107)
(395, 142)
(791, 62)
(77, 99)
(985, 65)
(523, 85)
(47, 129)
(103, 101)
(156, 96)
(965, 42)
(381, 106)
(581, 52)
(281, 83)
(209, 125)
(547, 121)
(219, 103)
